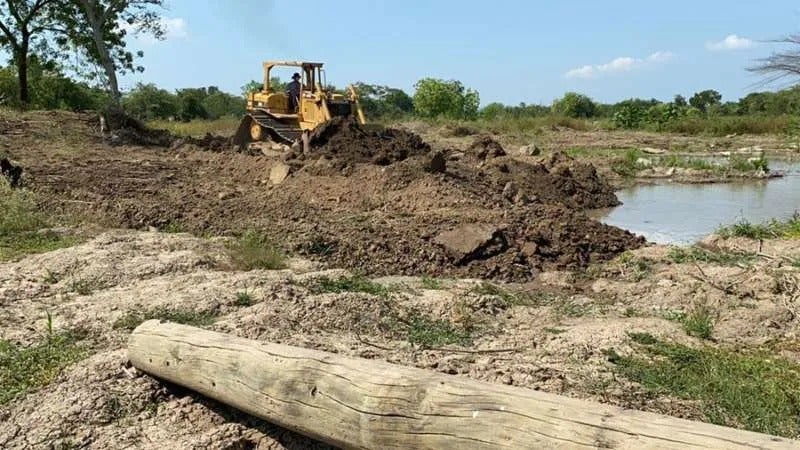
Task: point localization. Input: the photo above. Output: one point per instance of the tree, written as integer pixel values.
(680, 101)
(450, 99)
(780, 65)
(705, 99)
(148, 102)
(22, 23)
(98, 29)
(383, 101)
(190, 103)
(218, 104)
(574, 105)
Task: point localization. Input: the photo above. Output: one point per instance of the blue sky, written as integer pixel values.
(510, 51)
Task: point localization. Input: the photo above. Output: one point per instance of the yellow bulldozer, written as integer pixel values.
(275, 116)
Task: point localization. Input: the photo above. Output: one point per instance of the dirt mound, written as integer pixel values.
(485, 147)
(208, 142)
(345, 143)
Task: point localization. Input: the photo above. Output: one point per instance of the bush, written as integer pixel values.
(253, 250)
(449, 99)
(574, 105)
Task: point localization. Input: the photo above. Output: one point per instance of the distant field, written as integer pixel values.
(223, 126)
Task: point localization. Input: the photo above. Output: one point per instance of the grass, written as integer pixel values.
(24, 369)
(428, 333)
(244, 298)
(347, 283)
(754, 391)
(253, 250)
(183, 316)
(224, 126)
(693, 254)
(86, 286)
(20, 223)
(698, 323)
(633, 161)
(535, 299)
(431, 283)
(787, 229)
(631, 267)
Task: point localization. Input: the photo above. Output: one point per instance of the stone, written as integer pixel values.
(653, 151)
(529, 150)
(644, 162)
(278, 173)
(472, 241)
(437, 163)
(510, 190)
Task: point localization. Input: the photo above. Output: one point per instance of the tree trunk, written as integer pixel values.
(22, 71)
(105, 59)
(367, 404)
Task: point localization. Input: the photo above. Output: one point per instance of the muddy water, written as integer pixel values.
(683, 213)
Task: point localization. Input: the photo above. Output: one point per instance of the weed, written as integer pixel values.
(570, 308)
(642, 338)
(628, 165)
(682, 255)
(225, 126)
(630, 312)
(253, 250)
(243, 298)
(24, 369)
(86, 286)
(187, 317)
(636, 269)
(431, 283)
(754, 391)
(51, 277)
(698, 323)
(173, 227)
(554, 330)
(789, 228)
(352, 283)
(535, 299)
(427, 332)
(748, 165)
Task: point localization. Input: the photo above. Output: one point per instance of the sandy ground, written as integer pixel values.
(555, 346)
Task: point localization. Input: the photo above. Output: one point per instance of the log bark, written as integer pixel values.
(364, 404)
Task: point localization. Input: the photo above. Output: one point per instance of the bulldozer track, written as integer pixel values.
(285, 133)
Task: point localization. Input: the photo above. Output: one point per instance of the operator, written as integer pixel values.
(293, 91)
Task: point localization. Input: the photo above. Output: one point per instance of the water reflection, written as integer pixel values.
(683, 214)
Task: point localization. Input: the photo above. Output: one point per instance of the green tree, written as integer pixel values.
(190, 103)
(680, 101)
(25, 23)
(439, 98)
(493, 111)
(574, 105)
(219, 104)
(97, 28)
(383, 101)
(705, 99)
(148, 102)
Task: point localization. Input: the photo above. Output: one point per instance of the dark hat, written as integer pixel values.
(296, 76)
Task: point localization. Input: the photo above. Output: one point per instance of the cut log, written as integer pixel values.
(364, 404)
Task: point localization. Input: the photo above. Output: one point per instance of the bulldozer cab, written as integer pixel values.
(277, 101)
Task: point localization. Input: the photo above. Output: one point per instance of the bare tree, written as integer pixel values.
(780, 65)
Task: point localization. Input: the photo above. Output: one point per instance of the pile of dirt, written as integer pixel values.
(208, 142)
(345, 143)
(484, 148)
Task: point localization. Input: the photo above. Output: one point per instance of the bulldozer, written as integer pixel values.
(271, 116)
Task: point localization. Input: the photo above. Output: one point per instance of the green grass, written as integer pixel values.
(431, 283)
(224, 126)
(633, 161)
(754, 391)
(253, 250)
(244, 298)
(20, 223)
(698, 322)
(183, 316)
(642, 338)
(535, 299)
(693, 254)
(633, 268)
(347, 283)
(787, 229)
(723, 126)
(24, 369)
(427, 333)
(86, 286)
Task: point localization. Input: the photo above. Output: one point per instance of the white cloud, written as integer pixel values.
(174, 28)
(618, 65)
(732, 42)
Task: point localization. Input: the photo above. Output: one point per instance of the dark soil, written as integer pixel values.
(385, 214)
(11, 172)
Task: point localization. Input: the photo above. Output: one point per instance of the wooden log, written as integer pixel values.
(365, 404)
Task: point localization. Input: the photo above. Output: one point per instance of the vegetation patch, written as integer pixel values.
(695, 254)
(431, 283)
(429, 333)
(347, 283)
(253, 250)
(754, 391)
(244, 298)
(183, 316)
(21, 226)
(534, 299)
(24, 369)
(698, 323)
(787, 229)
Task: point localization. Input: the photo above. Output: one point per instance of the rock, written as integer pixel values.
(11, 172)
(529, 249)
(653, 151)
(278, 173)
(510, 190)
(455, 156)
(472, 241)
(485, 147)
(730, 136)
(529, 150)
(644, 162)
(224, 195)
(437, 163)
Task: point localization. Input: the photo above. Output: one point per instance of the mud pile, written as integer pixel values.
(208, 142)
(346, 143)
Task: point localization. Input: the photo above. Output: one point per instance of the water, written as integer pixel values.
(683, 213)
